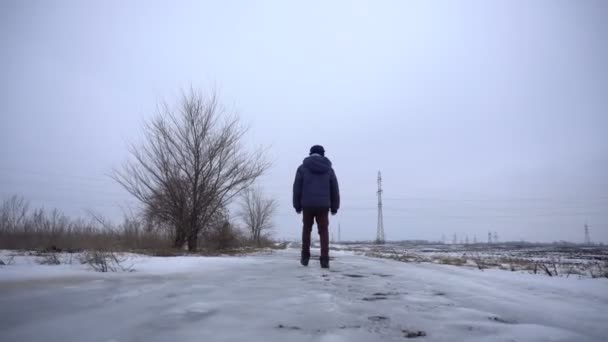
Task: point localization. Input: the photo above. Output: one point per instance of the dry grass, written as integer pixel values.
(49, 259)
(51, 230)
(598, 269)
(455, 261)
(54, 232)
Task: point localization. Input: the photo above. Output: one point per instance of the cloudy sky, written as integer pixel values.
(481, 115)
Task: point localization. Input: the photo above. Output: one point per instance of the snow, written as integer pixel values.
(26, 267)
(574, 260)
(270, 297)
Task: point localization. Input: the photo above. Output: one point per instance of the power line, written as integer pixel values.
(71, 201)
(69, 190)
(504, 199)
(105, 179)
(21, 172)
(77, 179)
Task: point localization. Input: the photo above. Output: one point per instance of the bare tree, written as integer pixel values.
(13, 213)
(191, 165)
(256, 213)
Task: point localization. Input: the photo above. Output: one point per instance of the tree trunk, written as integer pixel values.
(192, 242)
(180, 239)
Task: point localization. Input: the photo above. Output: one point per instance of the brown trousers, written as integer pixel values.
(310, 215)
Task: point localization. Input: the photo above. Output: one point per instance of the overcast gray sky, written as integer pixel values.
(481, 115)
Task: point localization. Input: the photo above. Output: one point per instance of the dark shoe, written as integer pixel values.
(304, 260)
(324, 262)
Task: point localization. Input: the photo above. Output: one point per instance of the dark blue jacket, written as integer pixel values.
(316, 185)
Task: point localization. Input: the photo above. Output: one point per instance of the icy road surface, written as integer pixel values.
(272, 298)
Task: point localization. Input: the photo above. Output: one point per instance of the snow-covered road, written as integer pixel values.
(272, 298)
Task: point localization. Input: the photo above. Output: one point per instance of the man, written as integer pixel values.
(315, 194)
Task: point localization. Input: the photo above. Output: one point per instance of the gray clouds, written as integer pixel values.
(481, 115)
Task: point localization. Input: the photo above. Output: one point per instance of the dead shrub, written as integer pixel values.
(222, 236)
(9, 261)
(479, 261)
(573, 270)
(48, 259)
(105, 261)
(598, 269)
(544, 268)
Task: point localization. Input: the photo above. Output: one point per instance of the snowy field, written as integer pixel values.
(577, 261)
(270, 297)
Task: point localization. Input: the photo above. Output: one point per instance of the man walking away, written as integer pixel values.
(315, 194)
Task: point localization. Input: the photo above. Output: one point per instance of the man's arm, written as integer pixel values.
(334, 192)
(297, 191)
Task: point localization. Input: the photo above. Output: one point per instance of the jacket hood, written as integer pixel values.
(317, 164)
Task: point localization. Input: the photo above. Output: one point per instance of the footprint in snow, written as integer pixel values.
(374, 298)
(382, 275)
(413, 333)
(380, 296)
(378, 318)
(354, 275)
(288, 327)
(502, 320)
